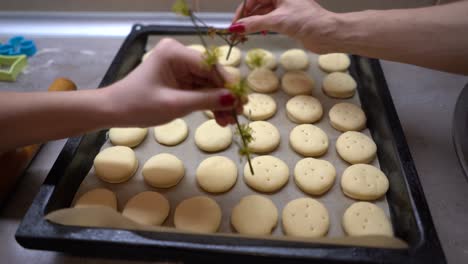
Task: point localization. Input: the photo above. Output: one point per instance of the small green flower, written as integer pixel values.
(256, 58)
(240, 89)
(181, 7)
(211, 56)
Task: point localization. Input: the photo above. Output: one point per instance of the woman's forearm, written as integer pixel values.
(435, 37)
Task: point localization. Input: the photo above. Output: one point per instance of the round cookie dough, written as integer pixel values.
(364, 218)
(254, 215)
(304, 109)
(163, 171)
(314, 176)
(129, 136)
(297, 82)
(266, 137)
(355, 147)
(294, 60)
(197, 47)
(364, 182)
(305, 217)
(259, 107)
(271, 174)
(339, 85)
(308, 140)
(266, 59)
(234, 57)
(147, 208)
(209, 114)
(216, 174)
(334, 62)
(263, 80)
(347, 117)
(235, 75)
(115, 164)
(97, 197)
(211, 137)
(199, 214)
(172, 133)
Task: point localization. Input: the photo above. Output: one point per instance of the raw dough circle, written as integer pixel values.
(263, 80)
(266, 137)
(271, 174)
(347, 117)
(364, 182)
(254, 56)
(355, 147)
(234, 57)
(163, 171)
(334, 62)
(197, 47)
(259, 107)
(294, 60)
(254, 215)
(304, 109)
(97, 197)
(212, 137)
(305, 217)
(115, 164)
(339, 85)
(297, 82)
(364, 218)
(147, 208)
(234, 74)
(172, 133)
(314, 176)
(308, 140)
(199, 214)
(129, 136)
(216, 174)
(209, 114)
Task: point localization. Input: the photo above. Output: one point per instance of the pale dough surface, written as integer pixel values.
(339, 85)
(266, 137)
(297, 82)
(234, 73)
(308, 140)
(268, 59)
(127, 136)
(334, 62)
(209, 113)
(212, 137)
(163, 171)
(97, 197)
(304, 109)
(294, 60)
(197, 47)
(305, 217)
(254, 215)
(356, 147)
(115, 164)
(172, 133)
(234, 57)
(314, 176)
(199, 214)
(263, 80)
(364, 218)
(347, 117)
(147, 208)
(364, 182)
(260, 107)
(271, 174)
(216, 174)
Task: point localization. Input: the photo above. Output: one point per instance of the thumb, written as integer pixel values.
(258, 23)
(216, 99)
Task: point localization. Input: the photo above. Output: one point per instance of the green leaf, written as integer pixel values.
(181, 7)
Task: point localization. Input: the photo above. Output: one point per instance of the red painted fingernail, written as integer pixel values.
(264, 32)
(227, 99)
(237, 28)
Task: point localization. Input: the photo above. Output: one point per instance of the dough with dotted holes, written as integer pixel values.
(268, 59)
(234, 58)
(271, 174)
(334, 62)
(297, 82)
(355, 147)
(347, 117)
(216, 174)
(147, 208)
(172, 133)
(254, 215)
(364, 219)
(127, 136)
(212, 137)
(314, 176)
(294, 60)
(115, 164)
(364, 182)
(308, 140)
(304, 109)
(305, 217)
(263, 80)
(197, 47)
(163, 171)
(199, 214)
(260, 107)
(339, 85)
(266, 137)
(97, 197)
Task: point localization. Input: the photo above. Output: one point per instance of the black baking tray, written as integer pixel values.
(409, 211)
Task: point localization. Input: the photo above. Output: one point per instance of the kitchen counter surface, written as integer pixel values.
(424, 99)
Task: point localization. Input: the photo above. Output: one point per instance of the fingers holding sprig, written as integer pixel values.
(253, 7)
